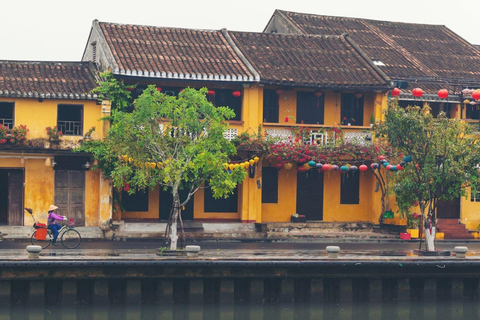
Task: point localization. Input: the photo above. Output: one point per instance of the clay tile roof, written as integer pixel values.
(55, 80)
(305, 60)
(406, 49)
(173, 53)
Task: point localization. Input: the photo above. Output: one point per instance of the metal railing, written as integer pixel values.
(7, 122)
(70, 128)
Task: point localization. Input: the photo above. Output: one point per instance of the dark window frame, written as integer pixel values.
(350, 188)
(269, 185)
(70, 119)
(136, 202)
(271, 106)
(213, 205)
(225, 98)
(352, 108)
(7, 117)
(310, 108)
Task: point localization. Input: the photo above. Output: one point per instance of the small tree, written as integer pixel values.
(175, 142)
(444, 156)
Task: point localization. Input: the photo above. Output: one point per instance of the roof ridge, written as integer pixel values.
(159, 27)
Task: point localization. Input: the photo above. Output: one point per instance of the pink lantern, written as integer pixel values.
(395, 92)
(476, 94)
(326, 167)
(443, 93)
(363, 168)
(417, 92)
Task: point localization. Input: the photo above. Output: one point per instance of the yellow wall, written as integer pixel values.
(469, 212)
(39, 115)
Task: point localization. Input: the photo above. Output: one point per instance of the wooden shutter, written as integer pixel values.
(350, 188)
(269, 185)
(310, 108)
(270, 106)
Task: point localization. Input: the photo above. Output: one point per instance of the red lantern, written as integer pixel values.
(286, 119)
(325, 167)
(476, 94)
(318, 93)
(211, 92)
(381, 157)
(159, 89)
(357, 95)
(399, 167)
(126, 187)
(417, 92)
(236, 93)
(395, 92)
(443, 93)
(363, 168)
(279, 166)
(130, 89)
(388, 167)
(279, 91)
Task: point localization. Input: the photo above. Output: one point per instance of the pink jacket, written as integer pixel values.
(52, 218)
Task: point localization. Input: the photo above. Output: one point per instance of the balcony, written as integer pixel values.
(71, 128)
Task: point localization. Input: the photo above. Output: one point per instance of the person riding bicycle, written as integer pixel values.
(52, 222)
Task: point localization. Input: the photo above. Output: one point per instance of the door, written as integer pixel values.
(11, 197)
(166, 201)
(70, 194)
(310, 194)
(448, 209)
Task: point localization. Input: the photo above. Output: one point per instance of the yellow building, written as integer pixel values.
(37, 166)
(270, 81)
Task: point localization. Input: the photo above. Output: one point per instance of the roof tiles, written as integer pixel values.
(61, 80)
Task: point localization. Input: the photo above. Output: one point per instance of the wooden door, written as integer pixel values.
(15, 197)
(166, 200)
(70, 194)
(448, 209)
(310, 194)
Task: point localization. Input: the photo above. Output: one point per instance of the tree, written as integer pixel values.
(443, 154)
(174, 142)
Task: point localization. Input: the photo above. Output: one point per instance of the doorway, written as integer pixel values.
(448, 209)
(70, 194)
(11, 197)
(166, 201)
(310, 194)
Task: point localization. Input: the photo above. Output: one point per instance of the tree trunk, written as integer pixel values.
(176, 213)
(430, 238)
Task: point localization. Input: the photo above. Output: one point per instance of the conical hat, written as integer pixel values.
(52, 207)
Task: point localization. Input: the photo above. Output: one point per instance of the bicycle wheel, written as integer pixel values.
(71, 239)
(42, 243)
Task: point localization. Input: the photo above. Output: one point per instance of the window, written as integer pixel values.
(352, 109)
(269, 185)
(229, 204)
(70, 119)
(472, 112)
(225, 98)
(270, 106)
(475, 196)
(135, 202)
(310, 108)
(6, 114)
(350, 188)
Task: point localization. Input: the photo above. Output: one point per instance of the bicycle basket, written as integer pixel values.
(71, 223)
(41, 234)
(39, 225)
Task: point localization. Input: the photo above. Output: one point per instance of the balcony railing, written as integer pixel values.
(70, 128)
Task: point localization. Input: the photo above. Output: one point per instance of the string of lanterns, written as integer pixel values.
(442, 93)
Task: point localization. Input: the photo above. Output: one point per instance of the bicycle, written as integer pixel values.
(42, 236)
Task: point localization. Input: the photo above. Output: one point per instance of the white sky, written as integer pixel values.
(57, 30)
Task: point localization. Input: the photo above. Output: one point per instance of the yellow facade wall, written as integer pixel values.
(469, 212)
(38, 115)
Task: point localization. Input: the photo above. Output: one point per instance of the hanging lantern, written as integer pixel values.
(443, 93)
(466, 101)
(211, 92)
(335, 167)
(393, 168)
(130, 89)
(126, 187)
(236, 93)
(473, 103)
(343, 169)
(159, 89)
(288, 166)
(251, 161)
(358, 95)
(476, 94)
(286, 119)
(326, 167)
(312, 164)
(388, 166)
(466, 92)
(353, 168)
(318, 93)
(385, 164)
(306, 166)
(22, 162)
(279, 166)
(407, 159)
(231, 166)
(318, 165)
(374, 166)
(395, 92)
(382, 161)
(399, 167)
(403, 163)
(279, 91)
(301, 169)
(256, 159)
(381, 157)
(417, 92)
(363, 168)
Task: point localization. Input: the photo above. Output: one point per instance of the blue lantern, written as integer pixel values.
(344, 169)
(407, 159)
(385, 164)
(312, 164)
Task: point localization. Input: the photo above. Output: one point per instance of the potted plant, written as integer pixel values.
(53, 133)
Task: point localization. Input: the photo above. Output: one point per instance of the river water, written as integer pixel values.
(440, 310)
